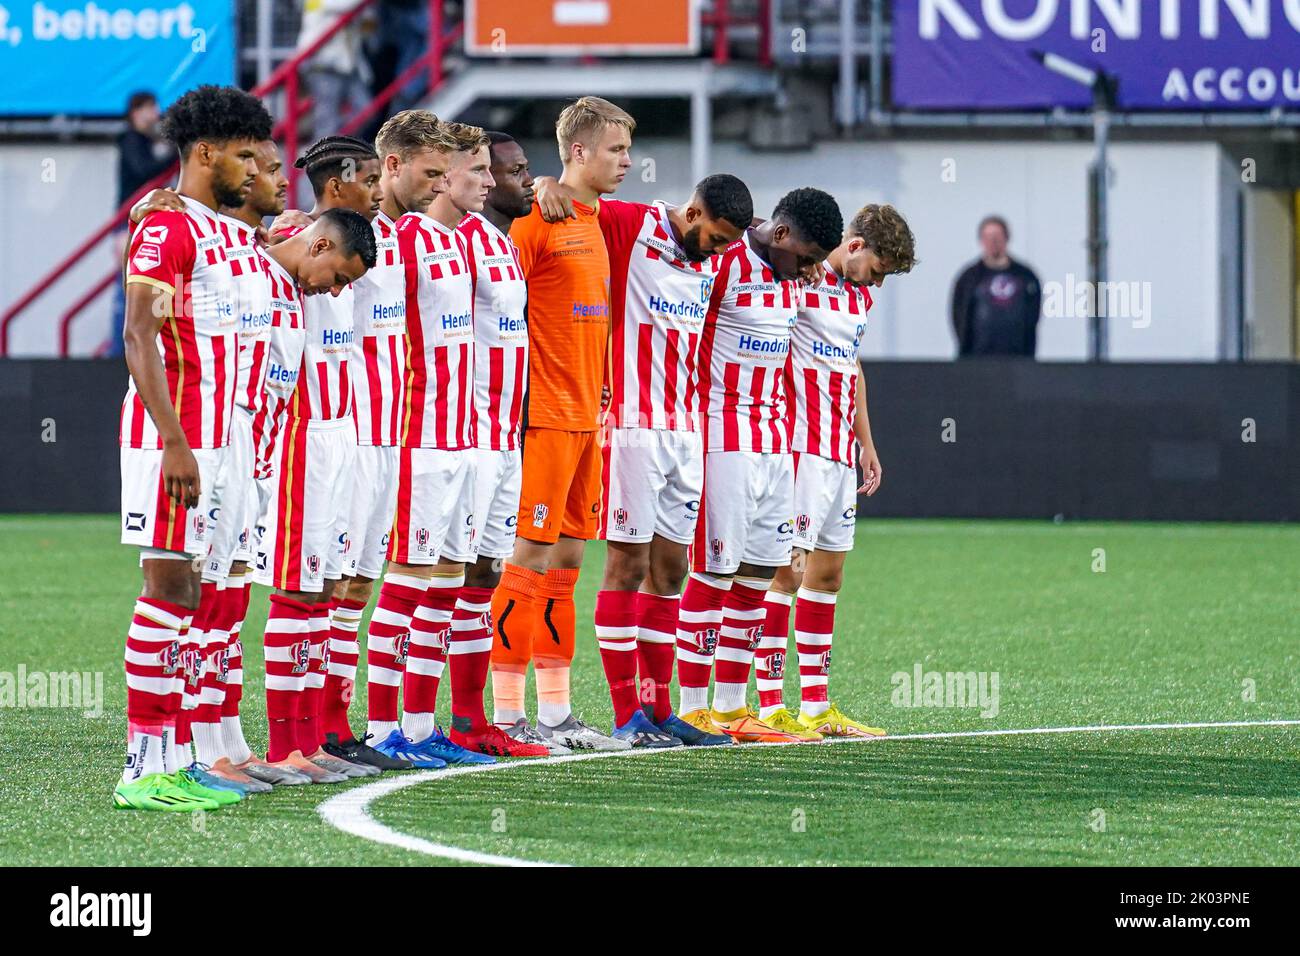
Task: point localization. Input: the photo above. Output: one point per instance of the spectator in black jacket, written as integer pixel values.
(997, 300)
(142, 154)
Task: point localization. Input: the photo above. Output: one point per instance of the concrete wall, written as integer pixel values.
(1270, 271)
(51, 197)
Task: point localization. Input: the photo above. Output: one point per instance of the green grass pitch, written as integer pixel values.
(1187, 623)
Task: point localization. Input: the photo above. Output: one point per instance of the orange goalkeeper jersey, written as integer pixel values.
(567, 269)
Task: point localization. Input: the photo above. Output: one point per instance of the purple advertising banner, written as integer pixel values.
(1167, 54)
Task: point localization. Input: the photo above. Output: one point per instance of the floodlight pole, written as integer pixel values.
(1104, 87)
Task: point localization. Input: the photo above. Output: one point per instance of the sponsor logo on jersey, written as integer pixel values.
(379, 312)
(539, 515)
(582, 310)
(706, 640)
(692, 310)
(693, 506)
(506, 324)
(850, 512)
(762, 346)
(147, 257)
(154, 234)
(786, 527)
(253, 321)
(512, 521)
(826, 350)
(460, 320)
(276, 372)
(776, 664)
(337, 337)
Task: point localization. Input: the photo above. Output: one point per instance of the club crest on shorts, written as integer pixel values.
(620, 519)
(135, 521)
(539, 515)
(706, 640)
(716, 547)
(776, 664)
(802, 523)
(200, 524)
(313, 565)
(300, 654)
(422, 539)
(826, 662)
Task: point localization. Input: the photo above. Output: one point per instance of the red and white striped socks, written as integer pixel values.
(430, 628)
(656, 635)
(153, 686)
(742, 626)
(469, 653)
(214, 636)
(387, 646)
(616, 635)
(310, 736)
(699, 619)
(232, 733)
(814, 625)
(287, 648)
(341, 676)
(773, 647)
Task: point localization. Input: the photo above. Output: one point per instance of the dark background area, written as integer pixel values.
(1124, 441)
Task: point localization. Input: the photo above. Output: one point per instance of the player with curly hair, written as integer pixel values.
(831, 433)
(744, 533)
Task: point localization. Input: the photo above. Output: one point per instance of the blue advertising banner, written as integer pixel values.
(1167, 54)
(86, 58)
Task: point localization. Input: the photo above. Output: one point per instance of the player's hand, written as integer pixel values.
(872, 473)
(812, 275)
(287, 220)
(554, 199)
(180, 474)
(157, 200)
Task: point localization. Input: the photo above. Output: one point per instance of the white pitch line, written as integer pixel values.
(350, 811)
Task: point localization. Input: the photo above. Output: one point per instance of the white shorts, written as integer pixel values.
(374, 499)
(825, 504)
(150, 518)
(653, 482)
(748, 499)
(306, 518)
(435, 505)
(235, 505)
(495, 507)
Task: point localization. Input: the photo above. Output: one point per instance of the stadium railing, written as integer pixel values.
(284, 84)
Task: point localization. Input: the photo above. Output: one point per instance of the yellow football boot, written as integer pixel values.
(744, 727)
(785, 722)
(834, 723)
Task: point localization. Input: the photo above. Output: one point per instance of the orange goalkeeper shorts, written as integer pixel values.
(560, 493)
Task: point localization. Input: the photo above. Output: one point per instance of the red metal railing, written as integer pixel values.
(285, 78)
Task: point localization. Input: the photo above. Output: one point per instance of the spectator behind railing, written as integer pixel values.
(142, 154)
(404, 30)
(338, 76)
(997, 300)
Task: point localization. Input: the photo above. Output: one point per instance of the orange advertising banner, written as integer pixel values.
(576, 27)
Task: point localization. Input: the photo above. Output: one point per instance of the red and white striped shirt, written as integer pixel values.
(184, 255)
(743, 354)
(500, 332)
(283, 364)
(379, 350)
(439, 334)
(821, 376)
(660, 300)
(252, 308)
